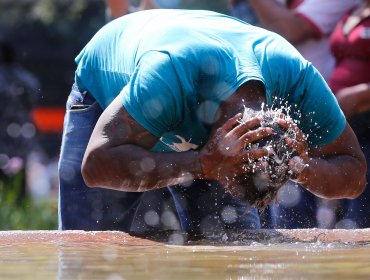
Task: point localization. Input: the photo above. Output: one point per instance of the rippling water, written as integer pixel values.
(27, 258)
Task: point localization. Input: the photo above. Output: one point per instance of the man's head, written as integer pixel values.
(262, 186)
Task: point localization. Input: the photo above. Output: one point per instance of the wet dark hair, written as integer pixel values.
(261, 188)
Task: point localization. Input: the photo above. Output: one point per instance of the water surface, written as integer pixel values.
(104, 257)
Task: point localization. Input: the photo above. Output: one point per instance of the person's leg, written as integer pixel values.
(356, 212)
(80, 207)
(156, 212)
(295, 208)
(209, 210)
(266, 217)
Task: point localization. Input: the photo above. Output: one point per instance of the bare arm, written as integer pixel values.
(118, 155)
(334, 171)
(282, 20)
(354, 100)
(117, 8)
(147, 4)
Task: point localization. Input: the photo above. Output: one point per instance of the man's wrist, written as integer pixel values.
(299, 169)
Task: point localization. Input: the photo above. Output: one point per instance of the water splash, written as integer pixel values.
(280, 152)
(276, 171)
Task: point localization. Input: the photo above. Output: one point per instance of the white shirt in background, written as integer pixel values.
(323, 15)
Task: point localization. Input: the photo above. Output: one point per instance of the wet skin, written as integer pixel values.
(336, 170)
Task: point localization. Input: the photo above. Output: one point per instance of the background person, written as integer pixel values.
(19, 93)
(241, 9)
(350, 44)
(118, 8)
(306, 24)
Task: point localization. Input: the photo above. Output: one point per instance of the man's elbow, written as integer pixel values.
(91, 169)
(358, 190)
(360, 179)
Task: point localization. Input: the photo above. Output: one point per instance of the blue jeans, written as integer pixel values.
(301, 215)
(80, 207)
(202, 204)
(357, 211)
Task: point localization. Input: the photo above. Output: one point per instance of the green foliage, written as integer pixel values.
(19, 212)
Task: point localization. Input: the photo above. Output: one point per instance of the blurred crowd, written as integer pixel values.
(333, 35)
(22, 159)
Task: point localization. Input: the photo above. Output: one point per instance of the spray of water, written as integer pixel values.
(261, 186)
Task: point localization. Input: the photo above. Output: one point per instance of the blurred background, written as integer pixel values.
(39, 40)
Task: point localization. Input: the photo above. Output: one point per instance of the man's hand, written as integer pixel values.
(260, 186)
(299, 145)
(226, 154)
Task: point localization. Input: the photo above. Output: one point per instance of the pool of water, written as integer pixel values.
(115, 256)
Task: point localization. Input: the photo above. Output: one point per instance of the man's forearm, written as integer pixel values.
(335, 177)
(268, 11)
(132, 168)
(280, 19)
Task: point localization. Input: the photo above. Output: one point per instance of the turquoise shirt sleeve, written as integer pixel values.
(321, 118)
(295, 85)
(153, 96)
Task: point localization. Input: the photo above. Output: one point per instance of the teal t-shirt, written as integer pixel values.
(173, 68)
